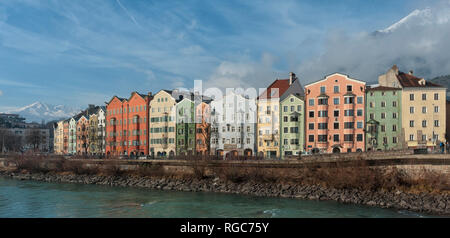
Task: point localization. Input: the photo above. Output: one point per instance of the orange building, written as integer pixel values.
(203, 125)
(335, 115)
(127, 125)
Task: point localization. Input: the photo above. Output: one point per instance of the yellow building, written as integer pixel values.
(162, 124)
(268, 116)
(423, 108)
(59, 137)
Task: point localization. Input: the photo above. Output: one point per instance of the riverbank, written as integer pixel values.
(431, 203)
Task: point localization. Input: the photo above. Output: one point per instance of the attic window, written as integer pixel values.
(422, 82)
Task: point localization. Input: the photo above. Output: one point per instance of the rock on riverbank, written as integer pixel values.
(424, 202)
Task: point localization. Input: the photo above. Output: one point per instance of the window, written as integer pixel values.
(411, 110)
(322, 101)
(436, 123)
(424, 109)
(311, 114)
(285, 109)
(348, 100)
(336, 138)
(311, 126)
(336, 101)
(349, 113)
(394, 140)
(411, 123)
(336, 89)
(348, 137)
(436, 108)
(311, 138)
(322, 138)
(336, 125)
(322, 126)
(371, 104)
(349, 88)
(336, 113)
(371, 116)
(292, 108)
(424, 96)
(285, 119)
(323, 114)
(299, 108)
(311, 102)
(411, 97)
(383, 128)
(286, 130)
(411, 137)
(394, 127)
(349, 125)
(383, 104)
(394, 115)
(359, 137)
(394, 103)
(424, 123)
(322, 89)
(424, 137)
(294, 129)
(383, 115)
(436, 96)
(359, 100)
(359, 124)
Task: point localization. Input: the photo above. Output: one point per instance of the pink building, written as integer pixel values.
(335, 115)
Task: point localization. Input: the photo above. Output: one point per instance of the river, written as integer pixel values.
(64, 200)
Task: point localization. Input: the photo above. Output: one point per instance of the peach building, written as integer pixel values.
(203, 126)
(335, 115)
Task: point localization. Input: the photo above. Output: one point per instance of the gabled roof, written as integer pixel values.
(409, 80)
(279, 85)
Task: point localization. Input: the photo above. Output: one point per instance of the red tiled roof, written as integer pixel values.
(280, 85)
(408, 80)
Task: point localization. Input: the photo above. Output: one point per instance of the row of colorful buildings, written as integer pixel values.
(83, 134)
(333, 115)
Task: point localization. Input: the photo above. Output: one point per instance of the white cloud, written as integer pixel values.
(1, 92)
(419, 42)
(243, 74)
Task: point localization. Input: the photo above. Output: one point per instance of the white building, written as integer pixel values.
(233, 126)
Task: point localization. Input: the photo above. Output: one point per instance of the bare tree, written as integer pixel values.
(9, 141)
(35, 139)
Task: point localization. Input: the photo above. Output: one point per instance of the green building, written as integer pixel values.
(185, 126)
(384, 119)
(292, 123)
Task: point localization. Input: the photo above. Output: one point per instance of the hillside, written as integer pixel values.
(444, 81)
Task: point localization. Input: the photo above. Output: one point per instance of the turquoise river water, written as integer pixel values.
(40, 199)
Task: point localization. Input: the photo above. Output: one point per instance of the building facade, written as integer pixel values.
(384, 129)
(292, 125)
(127, 125)
(82, 135)
(72, 136)
(423, 108)
(335, 115)
(269, 112)
(203, 128)
(233, 126)
(162, 124)
(185, 127)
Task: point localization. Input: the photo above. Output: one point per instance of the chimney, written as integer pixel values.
(291, 77)
(411, 72)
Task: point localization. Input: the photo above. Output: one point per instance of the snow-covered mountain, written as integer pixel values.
(39, 111)
(415, 18)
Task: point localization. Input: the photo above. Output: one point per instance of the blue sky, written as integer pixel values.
(75, 52)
